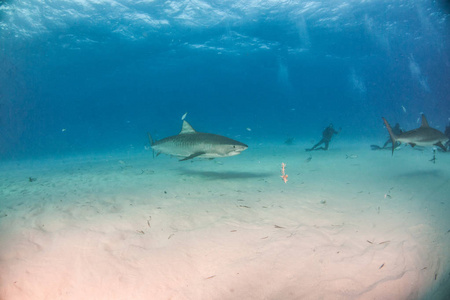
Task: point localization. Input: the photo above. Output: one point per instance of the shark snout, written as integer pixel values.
(237, 149)
(241, 147)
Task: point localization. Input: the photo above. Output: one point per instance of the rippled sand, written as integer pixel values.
(127, 226)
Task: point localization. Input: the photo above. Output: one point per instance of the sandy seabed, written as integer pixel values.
(127, 226)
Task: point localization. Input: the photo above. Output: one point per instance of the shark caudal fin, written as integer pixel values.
(151, 143)
(391, 134)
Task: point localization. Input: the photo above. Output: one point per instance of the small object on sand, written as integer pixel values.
(385, 242)
(140, 231)
(210, 277)
(276, 226)
(31, 179)
(244, 206)
(369, 242)
(283, 175)
(351, 156)
(381, 266)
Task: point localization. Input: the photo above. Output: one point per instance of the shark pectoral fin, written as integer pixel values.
(193, 155)
(412, 144)
(439, 144)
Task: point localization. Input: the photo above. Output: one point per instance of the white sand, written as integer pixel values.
(127, 226)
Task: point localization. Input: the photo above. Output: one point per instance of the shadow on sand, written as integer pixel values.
(422, 175)
(227, 175)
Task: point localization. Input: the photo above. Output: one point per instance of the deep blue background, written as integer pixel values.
(283, 69)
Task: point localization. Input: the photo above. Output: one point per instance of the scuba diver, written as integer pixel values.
(397, 131)
(327, 134)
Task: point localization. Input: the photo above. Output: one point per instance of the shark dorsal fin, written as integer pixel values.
(424, 122)
(186, 128)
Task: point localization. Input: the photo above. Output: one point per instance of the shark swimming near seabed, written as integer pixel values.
(422, 136)
(189, 144)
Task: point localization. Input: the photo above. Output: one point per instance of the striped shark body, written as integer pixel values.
(189, 144)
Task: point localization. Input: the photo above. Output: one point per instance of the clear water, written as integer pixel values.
(96, 75)
(84, 81)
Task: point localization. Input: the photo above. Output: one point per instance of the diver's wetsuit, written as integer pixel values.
(397, 131)
(327, 134)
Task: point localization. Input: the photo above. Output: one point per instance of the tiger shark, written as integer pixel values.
(189, 144)
(422, 136)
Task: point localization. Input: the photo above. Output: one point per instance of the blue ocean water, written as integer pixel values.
(93, 75)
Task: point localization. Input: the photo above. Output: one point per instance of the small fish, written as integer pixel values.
(308, 159)
(289, 141)
(184, 116)
(248, 129)
(351, 156)
(381, 266)
(404, 109)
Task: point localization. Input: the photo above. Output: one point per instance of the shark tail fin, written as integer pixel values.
(391, 134)
(151, 143)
